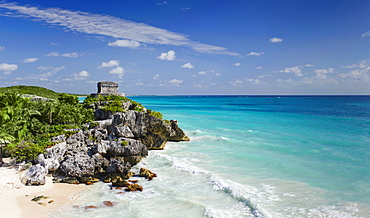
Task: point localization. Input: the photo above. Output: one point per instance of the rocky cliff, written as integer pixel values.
(105, 149)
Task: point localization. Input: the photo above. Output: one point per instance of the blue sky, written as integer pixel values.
(188, 47)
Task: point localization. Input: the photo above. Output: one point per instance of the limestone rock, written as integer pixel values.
(78, 165)
(123, 131)
(133, 148)
(120, 183)
(57, 151)
(117, 166)
(134, 187)
(35, 175)
(147, 174)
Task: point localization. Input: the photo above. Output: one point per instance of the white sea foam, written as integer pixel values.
(198, 131)
(227, 213)
(222, 139)
(184, 164)
(235, 190)
(241, 193)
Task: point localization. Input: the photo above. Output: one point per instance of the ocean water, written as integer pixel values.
(259, 156)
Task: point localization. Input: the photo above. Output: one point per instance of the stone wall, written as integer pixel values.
(107, 88)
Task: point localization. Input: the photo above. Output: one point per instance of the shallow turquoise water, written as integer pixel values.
(252, 157)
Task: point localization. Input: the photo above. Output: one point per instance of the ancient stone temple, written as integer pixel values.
(107, 88)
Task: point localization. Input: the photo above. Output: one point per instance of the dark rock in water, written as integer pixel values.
(90, 207)
(108, 203)
(177, 134)
(35, 175)
(134, 187)
(119, 169)
(120, 183)
(147, 174)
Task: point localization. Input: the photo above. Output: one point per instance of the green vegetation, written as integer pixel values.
(155, 114)
(26, 126)
(30, 90)
(114, 103)
(124, 143)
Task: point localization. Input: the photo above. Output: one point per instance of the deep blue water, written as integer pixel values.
(256, 156)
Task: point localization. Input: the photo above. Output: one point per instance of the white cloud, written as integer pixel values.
(2, 48)
(202, 73)
(254, 81)
(162, 3)
(308, 65)
(125, 43)
(275, 40)
(106, 25)
(53, 54)
(255, 53)
(68, 55)
(169, 56)
(218, 74)
(156, 76)
(175, 82)
(8, 68)
(83, 73)
(359, 75)
(54, 44)
(188, 65)
(366, 34)
(296, 70)
(118, 71)
(236, 82)
(258, 68)
(111, 63)
(184, 9)
(71, 55)
(362, 64)
(262, 76)
(139, 83)
(30, 60)
(324, 71)
(237, 64)
(47, 75)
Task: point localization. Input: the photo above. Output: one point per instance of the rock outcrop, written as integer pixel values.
(106, 149)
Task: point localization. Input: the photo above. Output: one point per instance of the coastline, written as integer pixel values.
(15, 199)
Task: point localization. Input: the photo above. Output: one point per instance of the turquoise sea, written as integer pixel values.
(250, 156)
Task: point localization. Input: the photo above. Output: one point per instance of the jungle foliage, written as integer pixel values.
(26, 126)
(31, 90)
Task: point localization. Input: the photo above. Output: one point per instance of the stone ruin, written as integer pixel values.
(107, 88)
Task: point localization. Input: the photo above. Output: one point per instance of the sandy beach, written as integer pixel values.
(15, 198)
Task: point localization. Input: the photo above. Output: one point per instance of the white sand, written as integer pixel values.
(15, 198)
